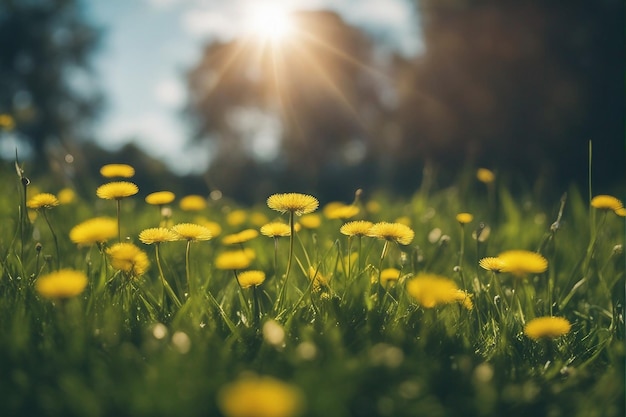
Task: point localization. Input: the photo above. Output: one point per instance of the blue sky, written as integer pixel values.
(149, 44)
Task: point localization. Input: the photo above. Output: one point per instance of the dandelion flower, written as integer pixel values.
(254, 396)
(213, 227)
(241, 237)
(464, 218)
(191, 232)
(160, 198)
(96, 230)
(432, 290)
(117, 190)
(235, 259)
(42, 200)
(236, 217)
(128, 258)
(310, 221)
(621, 212)
(251, 278)
(192, 202)
(157, 235)
(293, 202)
(547, 328)
(64, 283)
(491, 264)
(606, 202)
(522, 262)
(276, 229)
(464, 298)
(395, 232)
(356, 228)
(341, 211)
(117, 170)
(320, 281)
(405, 220)
(485, 175)
(258, 219)
(66, 196)
(373, 207)
(389, 276)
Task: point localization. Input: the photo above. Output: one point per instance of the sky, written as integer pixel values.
(149, 45)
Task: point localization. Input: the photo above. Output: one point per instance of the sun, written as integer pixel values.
(270, 22)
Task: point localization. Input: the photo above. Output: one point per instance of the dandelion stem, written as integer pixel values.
(461, 254)
(166, 286)
(190, 286)
(291, 238)
(119, 222)
(54, 236)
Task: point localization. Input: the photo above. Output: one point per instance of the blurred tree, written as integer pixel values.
(45, 47)
(302, 107)
(517, 85)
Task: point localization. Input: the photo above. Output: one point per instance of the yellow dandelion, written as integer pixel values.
(606, 202)
(235, 259)
(491, 264)
(64, 283)
(117, 190)
(293, 202)
(258, 219)
(192, 202)
(356, 228)
(254, 396)
(341, 211)
(117, 170)
(157, 235)
(432, 290)
(547, 327)
(236, 217)
(192, 232)
(522, 262)
(485, 175)
(239, 238)
(42, 200)
(251, 278)
(319, 281)
(464, 218)
(395, 232)
(214, 227)
(464, 298)
(389, 276)
(160, 198)
(310, 221)
(92, 231)
(373, 207)
(66, 196)
(405, 220)
(276, 229)
(621, 212)
(128, 258)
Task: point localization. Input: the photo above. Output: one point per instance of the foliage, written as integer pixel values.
(168, 342)
(45, 71)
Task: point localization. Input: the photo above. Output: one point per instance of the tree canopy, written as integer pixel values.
(45, 81)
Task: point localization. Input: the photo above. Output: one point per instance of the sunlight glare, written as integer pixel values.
(270, 22)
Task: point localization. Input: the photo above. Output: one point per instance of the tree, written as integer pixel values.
(317, 88)
(45, 51)
(518, 85)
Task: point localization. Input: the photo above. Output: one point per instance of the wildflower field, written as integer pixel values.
(464, 301)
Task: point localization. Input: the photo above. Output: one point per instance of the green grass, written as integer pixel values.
(351, 348)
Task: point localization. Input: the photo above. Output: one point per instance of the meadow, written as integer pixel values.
(466, 301)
